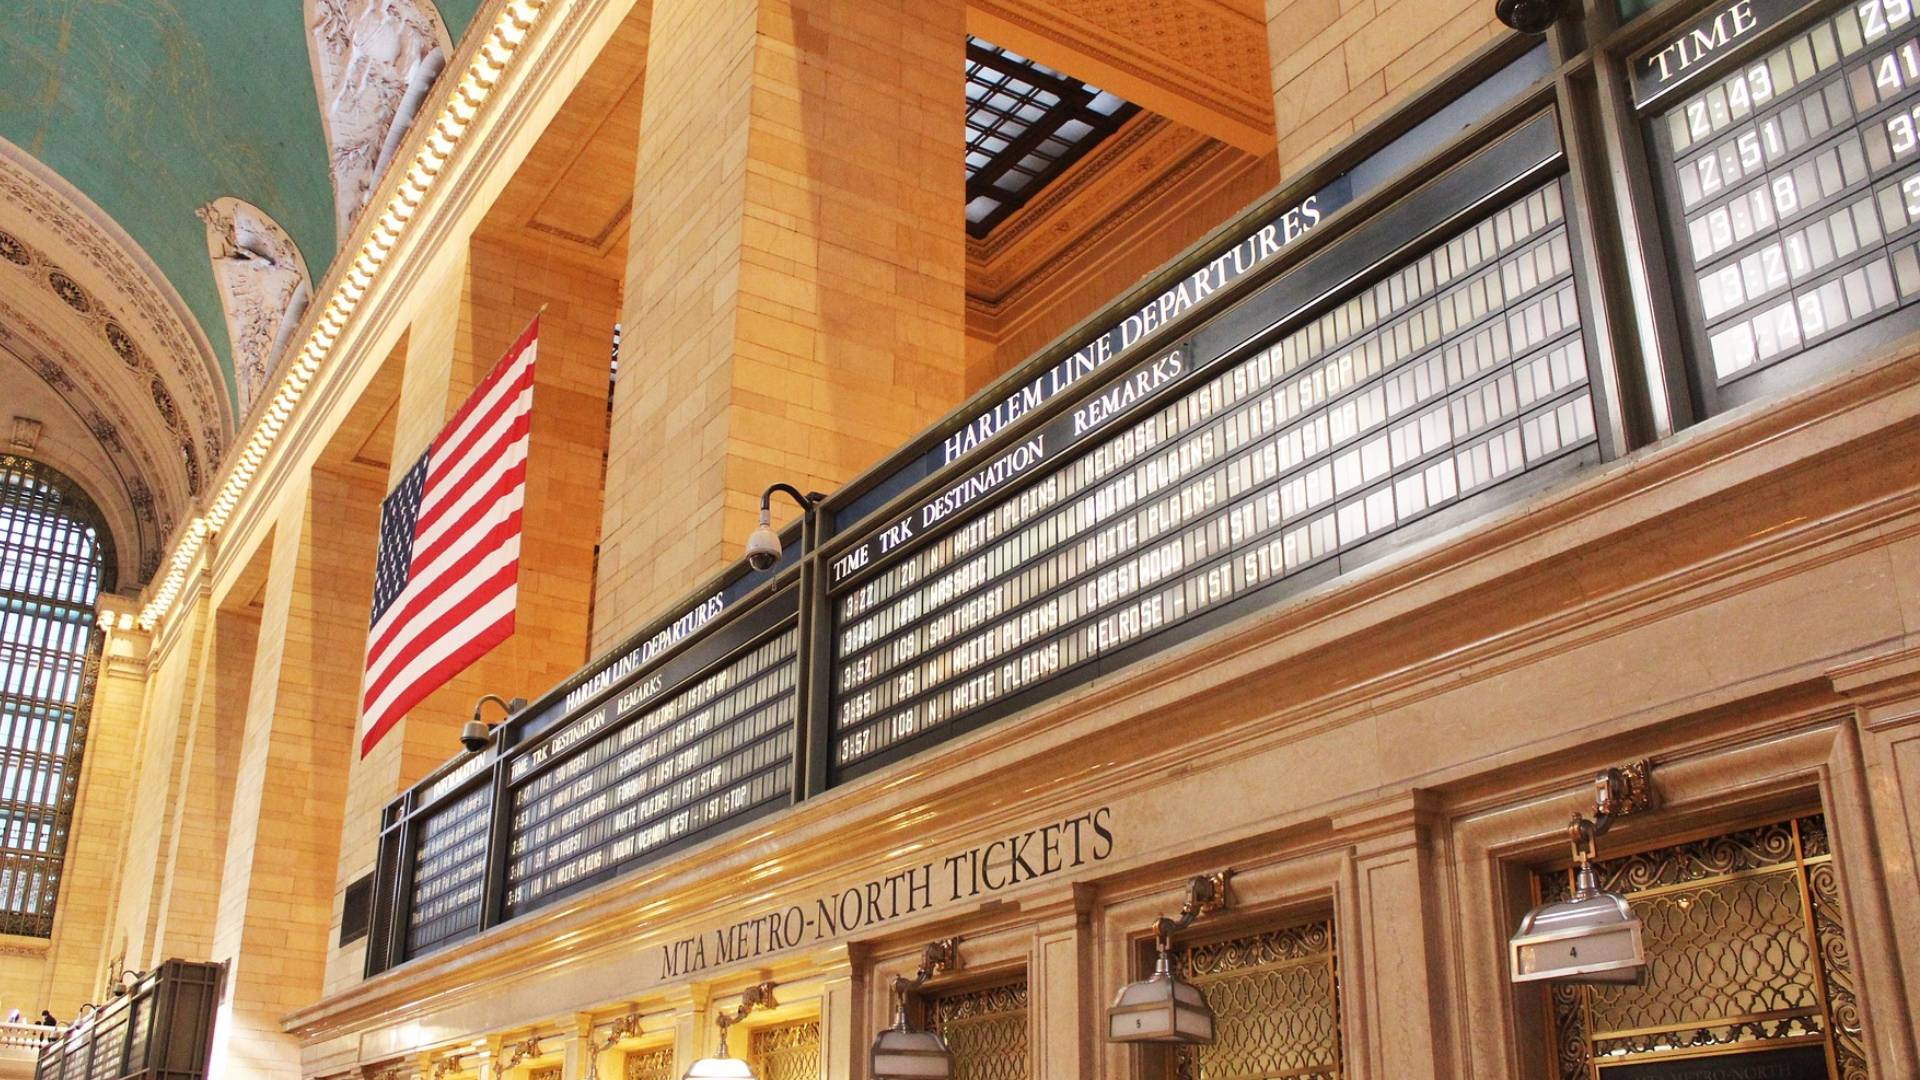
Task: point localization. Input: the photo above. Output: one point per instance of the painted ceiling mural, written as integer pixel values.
(168, 178)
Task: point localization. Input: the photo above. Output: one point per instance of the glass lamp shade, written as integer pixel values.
(719, 1068)
(1162, 1009)
(1593, 937)
(900, 1053)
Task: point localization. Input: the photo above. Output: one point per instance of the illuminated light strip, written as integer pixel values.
(490, 61)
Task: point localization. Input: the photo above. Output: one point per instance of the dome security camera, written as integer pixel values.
(763, 546)
(475, 735)
(1528, 16)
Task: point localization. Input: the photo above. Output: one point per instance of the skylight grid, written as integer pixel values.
(1026, 123)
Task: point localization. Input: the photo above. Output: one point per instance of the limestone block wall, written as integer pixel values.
(793, 302)
(1340, 64)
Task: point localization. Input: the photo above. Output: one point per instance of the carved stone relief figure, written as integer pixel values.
(264, 288)
(373, 63)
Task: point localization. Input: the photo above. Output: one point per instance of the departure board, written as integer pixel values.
(1456, 368)
(1792, 177)
(449, 872)
(650, 767)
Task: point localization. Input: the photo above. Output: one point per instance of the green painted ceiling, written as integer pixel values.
(154, 108)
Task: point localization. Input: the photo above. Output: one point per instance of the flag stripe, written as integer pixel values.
(479, 484)
(445, 631)
(449, 565)
(453, 459)
(447, 591)
(484, 638)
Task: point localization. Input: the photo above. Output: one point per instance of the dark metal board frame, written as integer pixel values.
(160, 1029)
(1512, 121)
(1774, 24)
(1495, 93)
(1507, 161)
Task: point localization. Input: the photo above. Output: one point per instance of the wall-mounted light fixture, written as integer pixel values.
(723, 1066)
(476, 733)
(1593, 936)
(903, 1052)
(763, 546)
(1165, 1008)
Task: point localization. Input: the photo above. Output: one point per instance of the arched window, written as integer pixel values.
(53, 563)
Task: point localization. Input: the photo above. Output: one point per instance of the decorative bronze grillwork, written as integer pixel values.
(786, 1051)
(986, 1028)
(1276, 1002)
(545, 1072)
(654, 1064)
(1745, 948)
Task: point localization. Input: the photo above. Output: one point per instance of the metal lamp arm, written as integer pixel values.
(1206, 894)
(805, 500)
(758, 996)
(508, 707)
(938, 957)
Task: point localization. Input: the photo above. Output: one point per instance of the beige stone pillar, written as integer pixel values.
(1061, 992)
(794, 303)
(694, 1036)
(277, 894)
(488, 295)
(187, 892)
(844, 1037)
(1875, 818)
(77, 953)
(1392, 944)
(1338, 66)
(170, 677)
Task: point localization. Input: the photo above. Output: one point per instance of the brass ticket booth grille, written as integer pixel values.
(1749, 970)
(1275, 995)
(986, 1028)
(653, 1064)
(786, 1051)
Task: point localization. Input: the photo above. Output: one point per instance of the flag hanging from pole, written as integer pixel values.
(448, 573)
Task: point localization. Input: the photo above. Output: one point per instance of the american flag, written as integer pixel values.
(449, 568)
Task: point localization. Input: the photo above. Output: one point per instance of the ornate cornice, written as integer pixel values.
(1082, 222)
(1199, 51)
(151, 317)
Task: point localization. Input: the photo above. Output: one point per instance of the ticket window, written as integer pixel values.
(1275, 994)
(1749, 969)
(652, 1063)
(985, 1026)
(786, 1051)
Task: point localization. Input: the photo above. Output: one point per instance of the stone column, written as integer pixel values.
(283, 841)
(170, 678)
(844, 1038)
(1061, 994)
(78, 952)
(1392, 944)
(794, 303)
(694, 1036)
(186, 892)
(1338, 66)
(1875, 824)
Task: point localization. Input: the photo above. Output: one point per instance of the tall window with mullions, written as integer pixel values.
(53, 560)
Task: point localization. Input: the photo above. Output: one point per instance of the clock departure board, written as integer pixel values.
(1792, 178)
(631, 776)
(1456, 368)
(449, 872)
